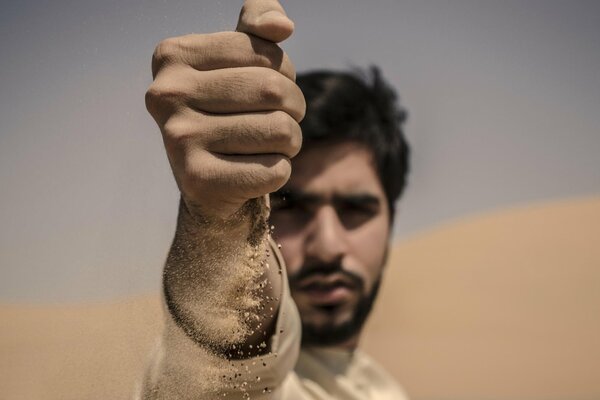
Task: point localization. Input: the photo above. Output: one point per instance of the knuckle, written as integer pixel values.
(175, 131)
(164, 100)
(284, 131)
(280, 127)
(272, 88)
(302, 106)
(166, 49)
(151, 98)
(280, 173)
(166, 52)
(163, 92)
(295, 139)
(157, 100)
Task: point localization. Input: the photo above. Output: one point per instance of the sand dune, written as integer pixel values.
(497, 306)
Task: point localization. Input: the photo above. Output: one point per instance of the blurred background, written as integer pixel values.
(493, 287)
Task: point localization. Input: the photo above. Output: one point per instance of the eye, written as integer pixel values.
(291, 206)
(281, 202)
(358, 209)
(290, 212)
(352, 214)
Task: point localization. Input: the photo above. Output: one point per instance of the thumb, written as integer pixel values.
(265, 19)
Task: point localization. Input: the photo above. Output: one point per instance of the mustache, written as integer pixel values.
(324, 270)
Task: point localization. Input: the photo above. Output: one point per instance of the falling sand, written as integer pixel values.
(219, 298)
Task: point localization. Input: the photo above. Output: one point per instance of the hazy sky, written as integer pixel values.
(503, 96)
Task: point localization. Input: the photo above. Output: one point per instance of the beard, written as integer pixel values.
(331, 333)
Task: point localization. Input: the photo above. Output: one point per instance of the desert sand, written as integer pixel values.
(504, 305)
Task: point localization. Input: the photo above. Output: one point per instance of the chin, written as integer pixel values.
(328, 326)
(328, 334)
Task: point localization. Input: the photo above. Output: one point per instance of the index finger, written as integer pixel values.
(265, 19)
(205, 52)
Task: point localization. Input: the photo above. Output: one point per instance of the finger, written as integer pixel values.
(273, 132)
(265, 19)
(232, 91)
(267, 133)
(222, 50)
(242, 177)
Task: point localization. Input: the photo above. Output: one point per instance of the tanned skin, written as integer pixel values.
(228, 109)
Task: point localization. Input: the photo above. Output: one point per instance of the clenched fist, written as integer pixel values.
(228, 109)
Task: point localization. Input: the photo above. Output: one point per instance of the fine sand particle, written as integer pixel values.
(216, 292)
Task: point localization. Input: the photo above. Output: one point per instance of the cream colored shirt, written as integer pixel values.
(182, 370)
(329, 373)
(326, 374)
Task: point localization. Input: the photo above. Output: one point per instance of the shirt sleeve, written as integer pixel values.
(188, 371)
(262, 377)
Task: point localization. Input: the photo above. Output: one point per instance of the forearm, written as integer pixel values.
(222, 288)
(218, 285)
(229, 112)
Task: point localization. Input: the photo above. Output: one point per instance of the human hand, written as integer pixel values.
(228, 109)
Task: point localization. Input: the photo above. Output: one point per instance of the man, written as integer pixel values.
(229, 111)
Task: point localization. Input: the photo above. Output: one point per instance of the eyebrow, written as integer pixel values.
(298, 196)
(360, 199)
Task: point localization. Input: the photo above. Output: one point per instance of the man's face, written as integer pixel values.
(332, 221)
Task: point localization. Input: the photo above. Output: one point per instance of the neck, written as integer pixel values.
(350, 344)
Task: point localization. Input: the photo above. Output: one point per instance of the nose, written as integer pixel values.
(326, 241)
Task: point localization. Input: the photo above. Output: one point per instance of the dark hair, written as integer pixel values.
(359, 106)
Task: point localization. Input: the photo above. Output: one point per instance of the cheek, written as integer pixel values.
(369, 243)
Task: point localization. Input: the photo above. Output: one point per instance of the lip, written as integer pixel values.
(328, 295)
(320, 281)
(327, 290)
